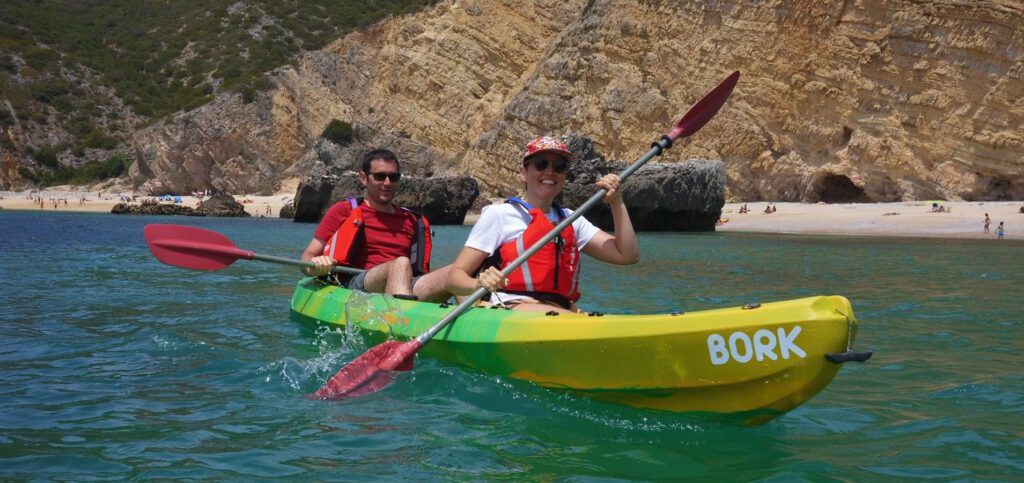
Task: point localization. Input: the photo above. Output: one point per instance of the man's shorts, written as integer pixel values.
(358, 282)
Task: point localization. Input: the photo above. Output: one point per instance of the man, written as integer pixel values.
(391, 243)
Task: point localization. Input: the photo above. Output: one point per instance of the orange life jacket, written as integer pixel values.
(342, 244)
(554, 269)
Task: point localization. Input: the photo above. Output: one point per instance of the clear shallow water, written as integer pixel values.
(115, 366)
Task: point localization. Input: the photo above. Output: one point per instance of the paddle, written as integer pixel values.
(200, 249)
(372, 371)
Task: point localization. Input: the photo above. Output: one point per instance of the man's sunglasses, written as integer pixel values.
(559, 165)
(380, 176)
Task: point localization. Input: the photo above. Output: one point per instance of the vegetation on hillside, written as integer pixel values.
(113, 167)
(77, 68)
(339, 132)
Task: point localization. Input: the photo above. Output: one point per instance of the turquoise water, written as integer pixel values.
(115, 366)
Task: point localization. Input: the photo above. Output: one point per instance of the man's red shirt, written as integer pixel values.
(386, 236)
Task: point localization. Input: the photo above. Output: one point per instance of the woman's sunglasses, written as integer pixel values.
(559, 165)
(380, 176)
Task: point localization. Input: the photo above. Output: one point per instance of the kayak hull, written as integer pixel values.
(756, 362)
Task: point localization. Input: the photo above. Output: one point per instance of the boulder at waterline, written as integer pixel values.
(676, 196)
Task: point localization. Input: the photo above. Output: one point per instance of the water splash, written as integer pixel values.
(293, 372)
(374, 312)
(339, 345)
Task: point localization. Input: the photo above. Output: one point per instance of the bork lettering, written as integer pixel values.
(743, 348)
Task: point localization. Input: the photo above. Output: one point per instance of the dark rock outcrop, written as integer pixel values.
(682, 196)
(313, 196)
(287, 212)
(216, 205)
(221, 205)
(416, 158)
(152, 209)
(443, 200)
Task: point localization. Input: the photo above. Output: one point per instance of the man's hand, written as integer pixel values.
(323, 266)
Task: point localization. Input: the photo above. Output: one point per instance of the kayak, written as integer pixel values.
(755, 362)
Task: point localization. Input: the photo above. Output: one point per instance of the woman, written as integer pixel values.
(550, 279)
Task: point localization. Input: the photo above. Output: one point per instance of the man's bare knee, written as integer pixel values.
(400, 276)
(432, 287)
(401, 269)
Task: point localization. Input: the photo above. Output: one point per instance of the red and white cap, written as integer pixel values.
(547, 144)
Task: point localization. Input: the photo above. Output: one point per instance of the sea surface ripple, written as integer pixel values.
(115, 366)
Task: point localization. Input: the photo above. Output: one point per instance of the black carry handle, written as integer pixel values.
(849, 356)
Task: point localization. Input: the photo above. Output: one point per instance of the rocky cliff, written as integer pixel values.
(444, 200)
(864, 100)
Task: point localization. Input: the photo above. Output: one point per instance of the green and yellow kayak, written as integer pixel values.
(755, 362)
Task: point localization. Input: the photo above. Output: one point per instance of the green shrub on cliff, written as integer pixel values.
(115, 166)
(46, 156)
(339, 132)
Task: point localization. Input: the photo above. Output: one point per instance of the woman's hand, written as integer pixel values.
(610, 182)
(491, 279)
(322, 266)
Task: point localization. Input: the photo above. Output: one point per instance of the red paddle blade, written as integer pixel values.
(191, 247)
(371, 371)
(704, 109)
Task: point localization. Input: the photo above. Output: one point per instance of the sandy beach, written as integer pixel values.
(961, 219)
(68, 199)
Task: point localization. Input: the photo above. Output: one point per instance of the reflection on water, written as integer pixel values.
(114, 366)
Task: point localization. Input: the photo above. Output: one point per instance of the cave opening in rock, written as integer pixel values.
(836, 188)
(1002, 189)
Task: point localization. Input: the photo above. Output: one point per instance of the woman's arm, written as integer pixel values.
(460, 282)
(622, 248)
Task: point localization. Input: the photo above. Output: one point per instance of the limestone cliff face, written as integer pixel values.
(439, 78)
(839, 100)
(867, 100)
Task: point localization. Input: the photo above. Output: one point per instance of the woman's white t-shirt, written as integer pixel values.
(499, 224)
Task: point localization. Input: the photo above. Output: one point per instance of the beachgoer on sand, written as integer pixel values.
(1000, 230)
(988, 221)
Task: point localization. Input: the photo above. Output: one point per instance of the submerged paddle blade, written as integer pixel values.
(371, 371)
(191, 247)
(704, 109)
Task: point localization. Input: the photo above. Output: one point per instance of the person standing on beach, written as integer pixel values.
(392, 244)
(988, 221)
(1000, 231)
